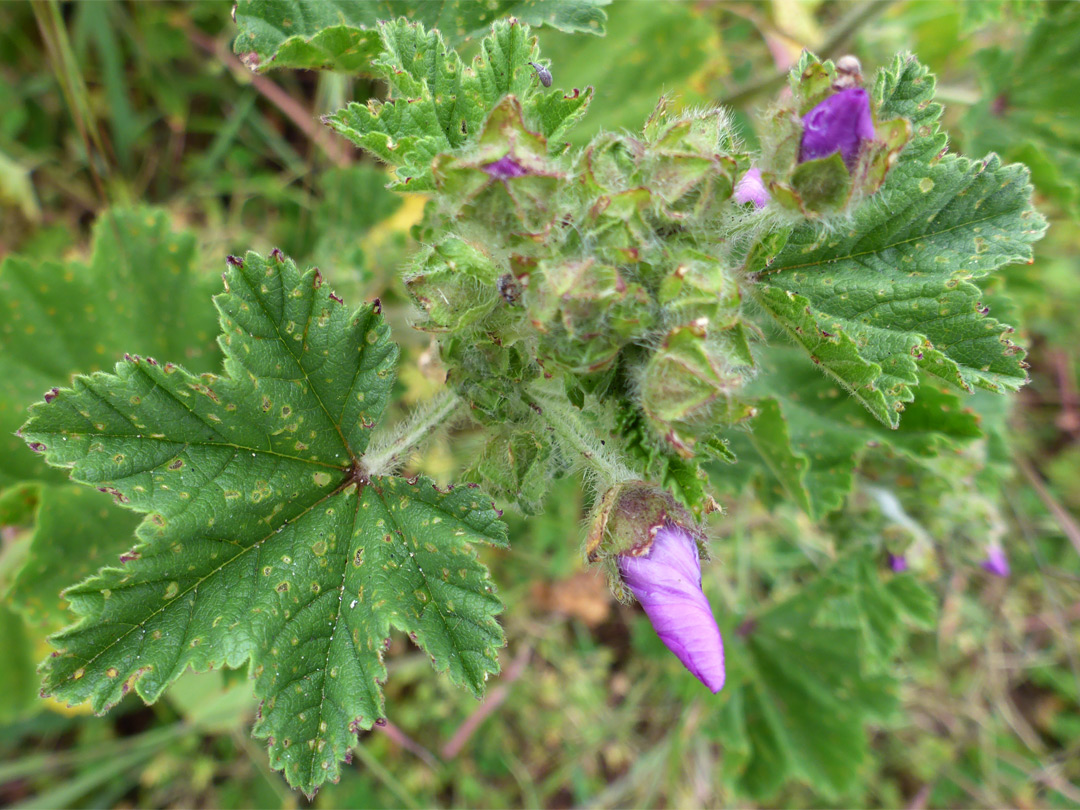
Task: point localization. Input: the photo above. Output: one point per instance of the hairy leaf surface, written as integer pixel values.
(437, 104)
(877, 300)
(265, 539)
(342, 34)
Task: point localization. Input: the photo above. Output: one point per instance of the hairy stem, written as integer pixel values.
(577, 440)
(389, 450)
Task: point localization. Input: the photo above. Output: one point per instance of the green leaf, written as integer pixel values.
(18, 681)
(517, 465)
(806, 698)
(76, 533)
(342, 34)
(266, 539)
(1027, 109)
(974, 16)
(643, 57)
(18, 503)
(876, 606)
(889, 293)
(683, 478)
(810, 435)
(137, 294)
(437, 105)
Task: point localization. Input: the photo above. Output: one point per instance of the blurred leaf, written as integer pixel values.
(206, 700)
(643, 57)
(18, 675)
(806, 697)
(810, 435)
(77, 532)
(984, 12)
(257, 472)
(138, 294)
(342, 34)
(1028, 109)
(876, 605)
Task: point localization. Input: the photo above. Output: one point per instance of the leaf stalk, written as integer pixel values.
(390, 449)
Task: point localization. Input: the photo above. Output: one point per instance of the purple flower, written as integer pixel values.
(504, 168)
(839, 123)
(666, 579)
(996, 562)
(751, 189)
(898, 563)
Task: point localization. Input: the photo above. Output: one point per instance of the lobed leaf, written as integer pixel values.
(437, 104)
(265, 539)
(342, 34)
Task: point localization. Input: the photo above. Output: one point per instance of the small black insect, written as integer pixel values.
(543, 73)
(509, 288)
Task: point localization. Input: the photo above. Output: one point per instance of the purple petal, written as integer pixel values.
(505, 168)
(751, 189)
(996, 562)
(839, 123)
(667, 582)
(898, 563)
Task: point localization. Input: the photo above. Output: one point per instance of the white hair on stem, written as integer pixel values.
(390, 449)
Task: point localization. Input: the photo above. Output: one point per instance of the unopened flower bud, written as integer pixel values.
(840, 123)
(666, 579)
(750, 188)
(898, 563)
(996, 562)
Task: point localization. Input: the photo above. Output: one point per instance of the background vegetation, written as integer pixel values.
(117, 104)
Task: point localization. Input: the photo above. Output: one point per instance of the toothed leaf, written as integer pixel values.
(342, 34)
(890, 294)
(437, 104)
(265, 540)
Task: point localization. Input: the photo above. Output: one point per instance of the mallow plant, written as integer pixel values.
(661, 312)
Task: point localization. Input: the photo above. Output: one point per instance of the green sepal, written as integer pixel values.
(455, 284)
(821, 186)
(517, 466)
(585, 313)
(687, 387)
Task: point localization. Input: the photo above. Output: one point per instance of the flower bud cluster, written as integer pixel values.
(599, 266)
